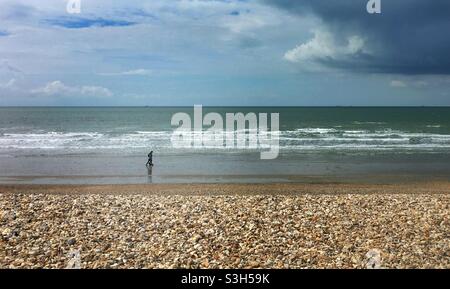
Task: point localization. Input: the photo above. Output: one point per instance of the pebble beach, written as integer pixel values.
(225, 226)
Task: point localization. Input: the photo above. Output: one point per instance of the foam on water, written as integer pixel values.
(300, 139)
(56, 131)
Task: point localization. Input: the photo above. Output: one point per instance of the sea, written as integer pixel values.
(109, 145)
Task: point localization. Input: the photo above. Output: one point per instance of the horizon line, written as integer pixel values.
(188, 106)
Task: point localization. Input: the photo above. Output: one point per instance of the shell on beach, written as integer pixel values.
(224, 231)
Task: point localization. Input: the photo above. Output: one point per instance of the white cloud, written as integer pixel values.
(398, 83)
(137, 72)
(323, 46)
(249, 22)
(53, 88)
(140, 72)
(58, 88)
(10, 84)
(96, 91)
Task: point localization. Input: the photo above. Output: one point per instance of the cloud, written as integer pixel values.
(138, 72)
(78, 22)
(16, 11)
(323, 47)
(96, 91)
(398, 83)
(7, 68)
(248, 42)
(409, 36)
(8, 85)
(421, 83)
(9, 75)
(139, 13)
(4, 33)
(58, 88)
(245, 23)
(54, 88)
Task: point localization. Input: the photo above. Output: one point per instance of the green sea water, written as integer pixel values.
(110, 144)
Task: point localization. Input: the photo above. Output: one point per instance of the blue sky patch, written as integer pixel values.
(77, 23)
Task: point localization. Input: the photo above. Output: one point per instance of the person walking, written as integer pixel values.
(150, 160)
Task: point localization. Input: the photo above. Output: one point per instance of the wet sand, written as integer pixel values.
(419, 187)
(331, 225)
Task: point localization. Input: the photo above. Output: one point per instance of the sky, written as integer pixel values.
(225, 52)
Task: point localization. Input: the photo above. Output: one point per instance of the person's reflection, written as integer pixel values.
(149, 174)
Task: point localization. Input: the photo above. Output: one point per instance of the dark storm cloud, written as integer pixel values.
(409, 37)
